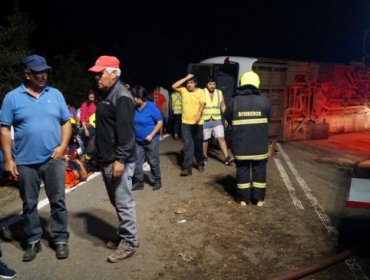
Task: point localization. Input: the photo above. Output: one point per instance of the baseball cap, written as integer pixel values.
(35, 63)
(103, 62)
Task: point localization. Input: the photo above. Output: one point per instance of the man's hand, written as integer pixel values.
(189, 76)
(149, 138)
(58, 153)
(197, 117)
(117, 170)
(11, 167)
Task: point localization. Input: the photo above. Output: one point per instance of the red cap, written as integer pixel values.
(103, 62)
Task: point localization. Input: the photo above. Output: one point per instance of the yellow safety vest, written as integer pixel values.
(212, 108)
(176, 103)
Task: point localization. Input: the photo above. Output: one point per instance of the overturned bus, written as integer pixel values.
(310, 100)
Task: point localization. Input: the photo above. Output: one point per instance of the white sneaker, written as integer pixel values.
(146, 166)
(260, 203)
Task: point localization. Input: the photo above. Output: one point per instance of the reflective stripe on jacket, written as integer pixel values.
(249, 113)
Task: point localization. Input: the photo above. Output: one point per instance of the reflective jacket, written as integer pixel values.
(212, 109)
(249, 114)
(176, 103)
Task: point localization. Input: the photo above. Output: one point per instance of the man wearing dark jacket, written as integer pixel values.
(249, 113)
(115, 151)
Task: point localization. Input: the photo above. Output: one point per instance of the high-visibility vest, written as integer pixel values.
(212, 108)
(176, 103)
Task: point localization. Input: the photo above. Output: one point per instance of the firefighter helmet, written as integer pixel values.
(250, 78)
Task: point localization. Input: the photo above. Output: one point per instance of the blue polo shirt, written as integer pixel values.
(146, 119)
(36, 123)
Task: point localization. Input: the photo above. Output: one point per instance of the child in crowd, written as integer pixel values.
(78, 166)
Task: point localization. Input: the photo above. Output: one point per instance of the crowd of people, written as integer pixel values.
(115, 131)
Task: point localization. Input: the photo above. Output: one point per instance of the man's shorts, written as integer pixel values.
(218, 131)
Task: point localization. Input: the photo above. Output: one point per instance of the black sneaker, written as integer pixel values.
(228, 160)
(201, 168)
(6, 272)
(186, 172)
(31, 251)
(61, 251)
(157, 184)
(137, 186)
(205, 159)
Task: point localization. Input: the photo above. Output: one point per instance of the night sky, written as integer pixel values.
(156, 40)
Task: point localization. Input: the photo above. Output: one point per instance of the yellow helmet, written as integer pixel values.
(250, 78)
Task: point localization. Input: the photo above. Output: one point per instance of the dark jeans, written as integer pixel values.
(192, 134)
(176, 122)
(52, 173)
(84, 141)
(149, 151)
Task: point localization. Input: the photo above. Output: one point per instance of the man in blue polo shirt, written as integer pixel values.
(40, 118)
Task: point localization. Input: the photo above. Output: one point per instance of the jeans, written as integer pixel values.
(52, 173)
(120, 196)
(149, 151)
(177, 124)
(192, 134)
(84, 141)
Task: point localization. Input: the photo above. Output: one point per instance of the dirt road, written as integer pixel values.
(193, 229)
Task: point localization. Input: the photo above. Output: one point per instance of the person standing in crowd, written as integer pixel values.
(249, 113)
(148, 123)
(5, 271)
(160, 100)
(215, 105)
(39, 151)
(166, 115)
(72, 110)
(193, 102)
(88, 109)
(115, 151)
(175, 107)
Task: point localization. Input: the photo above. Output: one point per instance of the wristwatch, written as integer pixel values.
(120, 160)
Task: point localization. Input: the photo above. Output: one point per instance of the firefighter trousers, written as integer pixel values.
(251, 180)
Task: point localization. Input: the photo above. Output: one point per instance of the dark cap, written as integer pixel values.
(35, 63)
(211, 79)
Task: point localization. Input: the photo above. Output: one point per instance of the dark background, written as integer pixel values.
(156, 40)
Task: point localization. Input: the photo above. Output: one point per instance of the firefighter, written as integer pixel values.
(249, 114)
